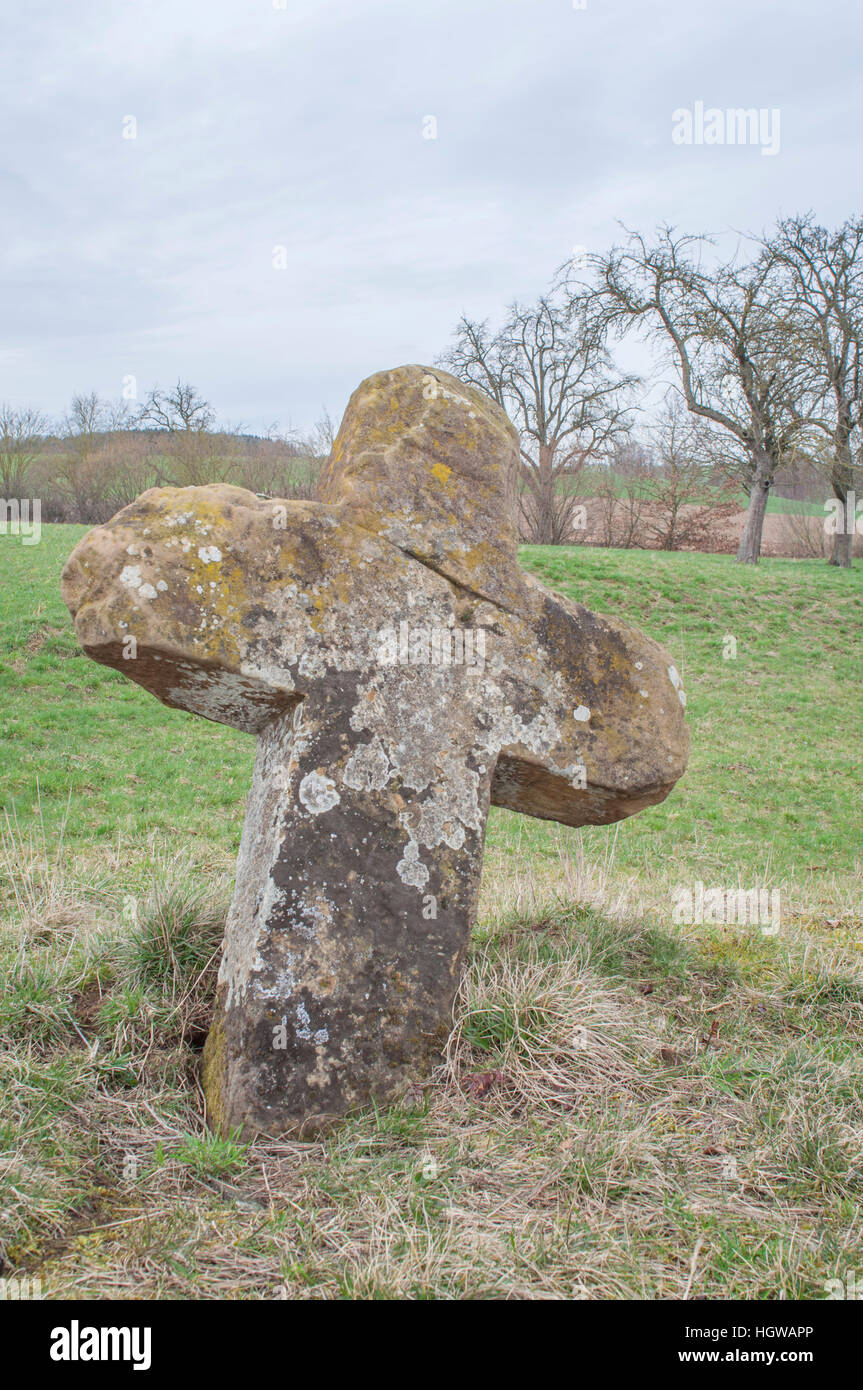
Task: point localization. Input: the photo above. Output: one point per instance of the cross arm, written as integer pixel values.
(224, 604)
(601, 733)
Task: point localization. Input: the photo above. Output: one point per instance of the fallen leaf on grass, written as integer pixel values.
(479, 1083)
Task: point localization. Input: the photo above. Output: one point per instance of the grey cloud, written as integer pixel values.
(302, 128)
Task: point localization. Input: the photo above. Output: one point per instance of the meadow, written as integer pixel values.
(630, 1106)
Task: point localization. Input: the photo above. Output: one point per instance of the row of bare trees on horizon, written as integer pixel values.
(766, 350)
(105, 453)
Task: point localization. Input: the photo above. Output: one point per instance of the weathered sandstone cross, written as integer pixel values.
(401, 673)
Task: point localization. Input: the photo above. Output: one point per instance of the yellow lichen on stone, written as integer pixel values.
(213, 1076)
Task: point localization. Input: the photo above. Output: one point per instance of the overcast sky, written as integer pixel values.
(258, 127)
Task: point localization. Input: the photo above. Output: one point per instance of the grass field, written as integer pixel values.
(628, 1107)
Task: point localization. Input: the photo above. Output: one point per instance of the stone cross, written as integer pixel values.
(401, 674)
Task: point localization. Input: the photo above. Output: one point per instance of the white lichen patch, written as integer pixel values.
(674, 677)
(318, 793)
(311, 911)
(274, 676)
(582, 714)
(257, 897)
(509, 729)
(410, 867)
(312, 665)
(434, 389)
(210, 554)
(368, 768)
(131, 576)
(303, 1028)
(451, 806)
(281, 986)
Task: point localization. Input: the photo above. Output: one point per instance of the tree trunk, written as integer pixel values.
(545, 496)
(842, 479)
(749, 549)
(841, 553)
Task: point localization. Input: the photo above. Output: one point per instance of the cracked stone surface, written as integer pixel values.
(401, 673)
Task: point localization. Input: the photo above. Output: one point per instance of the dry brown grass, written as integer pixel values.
(622, 1111)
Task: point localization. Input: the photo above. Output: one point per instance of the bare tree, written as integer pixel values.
(185, 418)
(310, 453)
(824, 293)
(21, 435)
(131, 467)
(182, 410)
(622, 499)
(90, 468)
(685, 501)
(284, 464)
(323, 435)
(549, 368)
(739, 370)
(79, 467)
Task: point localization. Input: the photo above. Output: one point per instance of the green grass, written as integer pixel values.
(771, 782)
(92, 740)
(773, 769)
(627, 1108)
